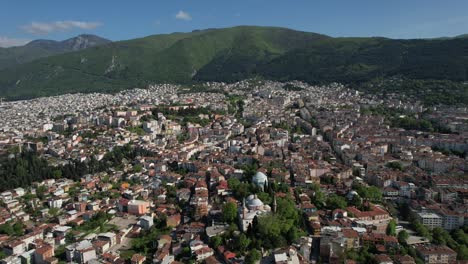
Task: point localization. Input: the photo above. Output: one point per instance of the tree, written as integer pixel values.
(53, 211)
(460, 236)
(403, 236)
(57, 174)
(137, 168)
(405, 211)
(335, 201)
(462, 252)
(233, 228)
(421, 229)
(439, 236)
(18, 229)
(293, 234)
(233, 183)
(395, 165)
(70, 237)
(242, 242)
(40, 191)
(240, 189)
(318, 198)
(269, 230)
(442, 237)
(229, 212)
(371, 193)
(264, 197)
(287, 210)
(145, 242)
(279, 229)
(418, 260)
(253, 256)
(216, 241)
(361, 256)
(6, 229)
(412, 252)
(356, 201)
(391, 228)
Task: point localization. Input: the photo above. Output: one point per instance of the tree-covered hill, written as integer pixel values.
(233, 54)
(355, 60)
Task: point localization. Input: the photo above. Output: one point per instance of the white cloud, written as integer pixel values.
(6, 42)
(182, 15)
(43, 28)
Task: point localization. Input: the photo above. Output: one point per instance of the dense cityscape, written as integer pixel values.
(248, 172)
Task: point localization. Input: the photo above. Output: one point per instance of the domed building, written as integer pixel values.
(350, 195)
(251, 207)
(253, 203)
(260, 180)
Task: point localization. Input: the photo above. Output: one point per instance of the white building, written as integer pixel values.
(6, 196)
(55, 203)
(19, 192)
(452, 220)
(430, 220)
(11, 260)
(81, 252)
(108, 236)
(146, 222)
(253, 208)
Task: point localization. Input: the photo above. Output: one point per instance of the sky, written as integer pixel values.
(25, 20)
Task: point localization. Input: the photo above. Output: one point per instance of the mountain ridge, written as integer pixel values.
(41, 48)
(232, 54)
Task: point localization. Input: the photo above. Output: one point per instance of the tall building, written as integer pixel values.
(137, 207)
(430, 220)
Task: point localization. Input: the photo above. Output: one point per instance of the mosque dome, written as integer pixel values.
(351, 195)
(259, 179)
(255, 202)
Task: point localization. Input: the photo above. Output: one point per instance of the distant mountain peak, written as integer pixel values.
(79, 42)
(40, 42)
(84, 41)
(41, 48)
(462, 36)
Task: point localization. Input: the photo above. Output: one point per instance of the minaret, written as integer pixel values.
(244, 209)
(274, 204)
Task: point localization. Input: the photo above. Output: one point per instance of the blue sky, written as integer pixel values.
(24, 20)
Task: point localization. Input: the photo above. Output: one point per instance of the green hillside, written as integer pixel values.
(17, 55)
(356, 60)
(233, 54)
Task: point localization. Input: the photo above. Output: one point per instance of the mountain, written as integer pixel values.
(355, 60)
(462, 36)
(44, 48)
(232, 54)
